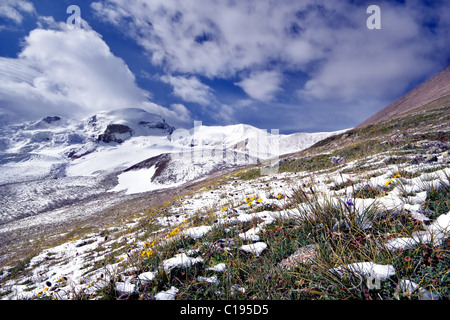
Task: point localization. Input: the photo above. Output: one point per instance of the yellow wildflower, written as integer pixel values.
(397, 176)
(260, 200)
(279, 196)
(388, 182)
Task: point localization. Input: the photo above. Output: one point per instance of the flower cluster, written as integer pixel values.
(43, 291)
(250, 200)
(173, 233)
(148, 252)
(398, 175)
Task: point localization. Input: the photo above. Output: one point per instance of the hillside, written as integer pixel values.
(363, 214)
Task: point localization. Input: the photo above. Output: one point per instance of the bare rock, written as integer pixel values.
(304, 255)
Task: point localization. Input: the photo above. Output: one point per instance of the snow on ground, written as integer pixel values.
(180, 260)
(136, 181)
(110, 158)
(70, 267)
(367, 269)
(434, 234)
(255, 248)
(58, 152)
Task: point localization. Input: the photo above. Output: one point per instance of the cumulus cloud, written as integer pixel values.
(190, 89)
(262, 85)
(326, 40)
(364, 63)
(176, 114)
(14, 9)
(68, 72)
(214, 39)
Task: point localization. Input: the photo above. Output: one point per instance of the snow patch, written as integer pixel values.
(180, 260)
(136, 181)
(197, 232)
(256, 248)
(221, 267)
(167, 295)
(366, 269)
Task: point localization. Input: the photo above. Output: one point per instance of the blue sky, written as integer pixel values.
(296, 66)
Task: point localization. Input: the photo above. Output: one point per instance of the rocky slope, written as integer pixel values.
(432, 93)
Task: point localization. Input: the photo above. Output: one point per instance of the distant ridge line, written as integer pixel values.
(431, 90)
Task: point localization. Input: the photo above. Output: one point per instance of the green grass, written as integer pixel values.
(438, 199)
(341, 236)
(367, 191)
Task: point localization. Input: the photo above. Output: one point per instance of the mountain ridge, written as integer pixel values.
(436, 87)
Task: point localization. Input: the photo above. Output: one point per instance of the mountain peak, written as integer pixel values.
(121, 124)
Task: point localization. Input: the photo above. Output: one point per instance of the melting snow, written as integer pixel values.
(256, 248)
(367, 269)
(435, 233)
(180, 260)
(197, 232)
(221, 267)
(167, 295)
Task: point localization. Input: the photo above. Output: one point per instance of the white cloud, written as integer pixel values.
(364, 63)
(190, 89)
(262, 85)
(14, 9)
(214, 39)
(327, 40)
(176, 115)
(68, 72)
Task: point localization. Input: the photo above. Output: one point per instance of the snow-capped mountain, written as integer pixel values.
(55, 161)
